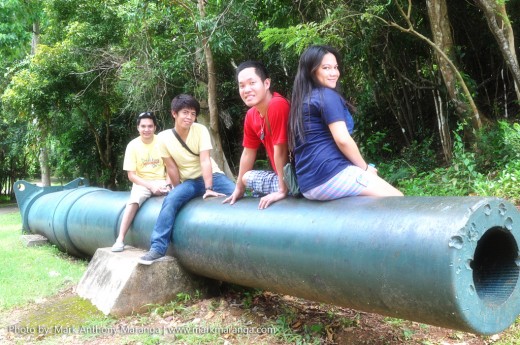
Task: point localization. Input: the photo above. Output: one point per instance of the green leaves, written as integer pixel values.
(295, 38)
(471, 173)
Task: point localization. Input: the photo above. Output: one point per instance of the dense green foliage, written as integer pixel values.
(492, 169)
(99, 63)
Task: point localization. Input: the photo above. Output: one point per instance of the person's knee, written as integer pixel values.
(389, 190)
(245, 177)
(397, 192)
(169, 201)
(379, 187)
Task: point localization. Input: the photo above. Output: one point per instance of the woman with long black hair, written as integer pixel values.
(327, 160)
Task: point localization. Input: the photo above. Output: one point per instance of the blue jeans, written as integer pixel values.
(178, 197)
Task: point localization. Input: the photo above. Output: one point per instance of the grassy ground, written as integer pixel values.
(31, 274)
(36, 296)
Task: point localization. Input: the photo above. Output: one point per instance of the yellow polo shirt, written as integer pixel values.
(188, 164)
(145, 159)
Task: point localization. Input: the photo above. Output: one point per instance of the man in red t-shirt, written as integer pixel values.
(265, 123)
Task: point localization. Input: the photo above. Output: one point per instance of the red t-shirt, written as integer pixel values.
(273, 134)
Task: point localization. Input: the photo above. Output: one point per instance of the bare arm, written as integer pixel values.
(154, 188)
(247, 161)
(348, 146)
(172, 171)
(281, 156)
(205, 165)
(207, 174)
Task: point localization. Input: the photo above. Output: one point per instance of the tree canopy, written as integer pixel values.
(415, 69)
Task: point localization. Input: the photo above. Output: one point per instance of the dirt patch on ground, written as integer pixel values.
(11, 208)
(239, 316)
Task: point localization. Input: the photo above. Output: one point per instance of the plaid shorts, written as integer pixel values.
(262, 182)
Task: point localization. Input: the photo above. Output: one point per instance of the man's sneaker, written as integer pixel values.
(118, 246)
(149, 258)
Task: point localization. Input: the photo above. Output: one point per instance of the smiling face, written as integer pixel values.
(146, 129)
(252, 89)
(184, 118)
(327, 74)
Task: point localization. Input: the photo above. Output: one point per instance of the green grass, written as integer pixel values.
(31, 273)
(6, 200)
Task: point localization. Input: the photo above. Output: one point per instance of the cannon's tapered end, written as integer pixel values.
(26, 193)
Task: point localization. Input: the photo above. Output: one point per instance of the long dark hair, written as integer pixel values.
(304, 82)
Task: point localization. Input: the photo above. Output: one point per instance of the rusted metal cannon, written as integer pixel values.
(446, 261)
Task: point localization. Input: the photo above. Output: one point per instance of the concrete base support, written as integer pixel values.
(34, 240)
(118, 285)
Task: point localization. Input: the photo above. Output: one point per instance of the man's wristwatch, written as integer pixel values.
(209, 188)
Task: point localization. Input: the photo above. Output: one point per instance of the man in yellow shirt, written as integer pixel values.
(185, 151)
(145, 169)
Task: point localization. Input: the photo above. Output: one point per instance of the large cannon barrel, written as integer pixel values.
(79, 219)
(446, 261)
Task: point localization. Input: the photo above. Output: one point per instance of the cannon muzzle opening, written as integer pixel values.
(495, 266)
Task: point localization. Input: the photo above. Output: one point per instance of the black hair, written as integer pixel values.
(304, 82)
(259, 67)
(146, 115)
(184, 101)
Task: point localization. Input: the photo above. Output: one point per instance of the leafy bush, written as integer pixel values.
(493, 171)
(497, 145)
(374, 145)
(414, 160)
(504, 183)
(457, 179)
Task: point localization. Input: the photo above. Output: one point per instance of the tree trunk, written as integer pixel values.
(103, 146)
(218, 152)
(35, 37)
(44, 165)
(442, 37)
(500, 26)
(45, 169)
(110, 183)
(442, 43)
(444, 129)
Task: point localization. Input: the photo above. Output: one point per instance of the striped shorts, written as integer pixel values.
(351, 181)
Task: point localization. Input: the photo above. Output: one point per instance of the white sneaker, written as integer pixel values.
(118, 246)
